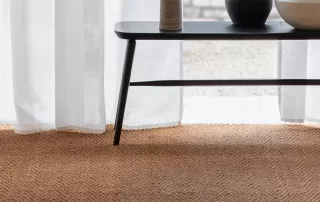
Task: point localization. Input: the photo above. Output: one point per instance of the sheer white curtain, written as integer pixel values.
(7, 112)
(300, 60)
(61, 63)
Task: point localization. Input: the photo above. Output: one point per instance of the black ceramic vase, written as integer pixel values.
(249, 12)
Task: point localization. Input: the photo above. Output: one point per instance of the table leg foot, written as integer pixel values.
(123, 94)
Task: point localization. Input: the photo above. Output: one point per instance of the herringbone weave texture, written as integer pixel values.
(188, 163)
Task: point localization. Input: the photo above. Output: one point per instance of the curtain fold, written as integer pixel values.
(7, 111)
(299, 60)
(32, 39)
(63, 66)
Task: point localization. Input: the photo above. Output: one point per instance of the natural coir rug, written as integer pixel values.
(187, 163)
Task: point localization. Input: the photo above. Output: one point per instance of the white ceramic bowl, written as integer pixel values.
(300, 14)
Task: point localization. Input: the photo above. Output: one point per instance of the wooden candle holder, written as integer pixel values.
(171, 15)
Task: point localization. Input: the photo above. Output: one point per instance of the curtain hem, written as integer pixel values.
(93, 131)
(151, 126)
(310, 120)
(313, 120)
(292, 120)
(7, 122)
(67, 128)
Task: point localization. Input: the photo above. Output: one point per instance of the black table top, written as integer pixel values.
(209, 30)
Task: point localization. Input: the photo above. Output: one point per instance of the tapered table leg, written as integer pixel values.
(125, 83)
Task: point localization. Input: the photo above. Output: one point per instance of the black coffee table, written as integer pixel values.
(143, 30)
